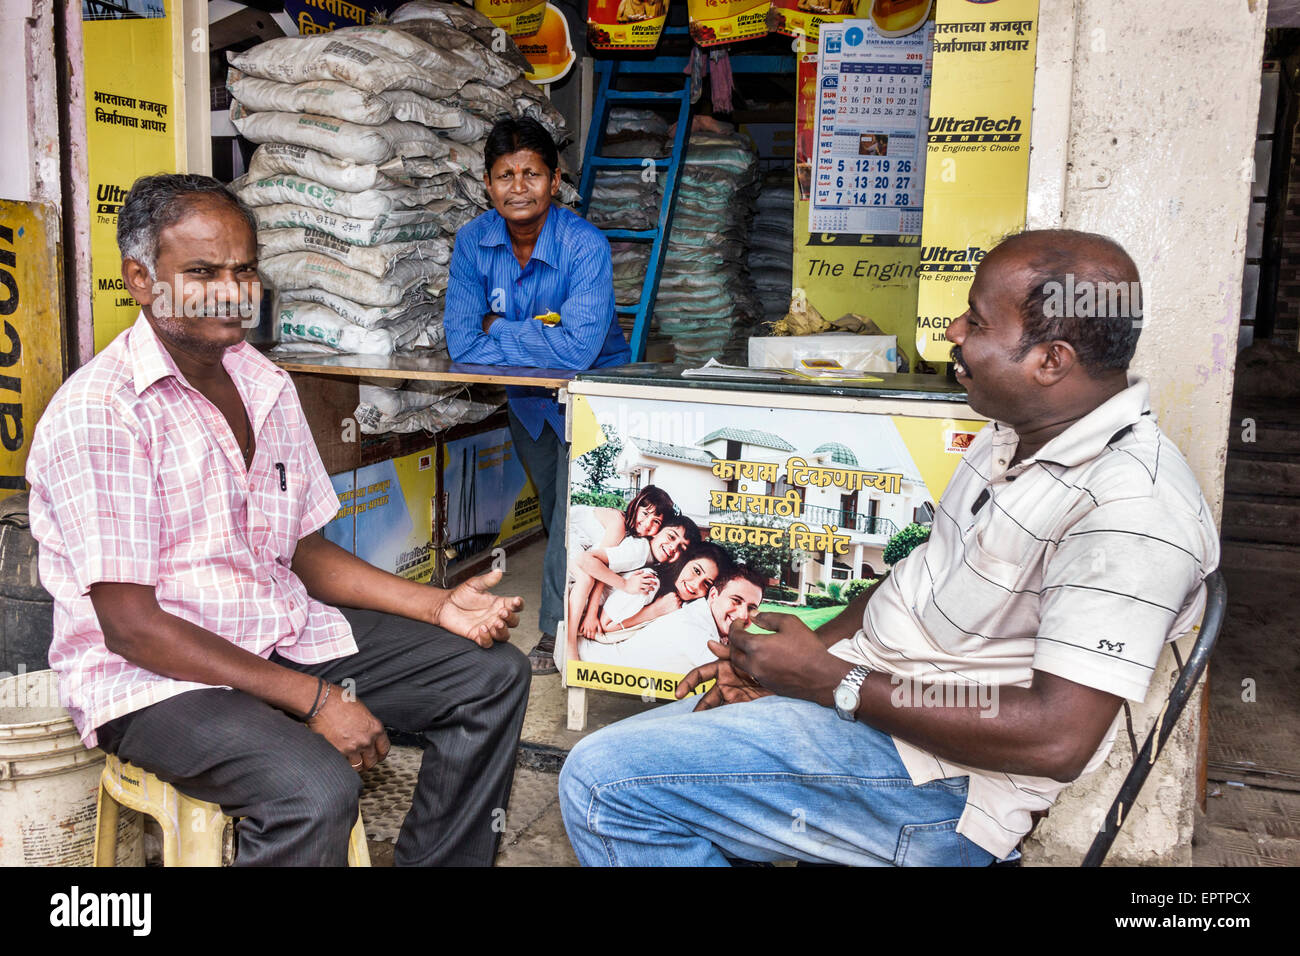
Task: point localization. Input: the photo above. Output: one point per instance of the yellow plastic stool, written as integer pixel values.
(192, 829)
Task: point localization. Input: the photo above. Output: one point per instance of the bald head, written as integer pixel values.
(1081, 288)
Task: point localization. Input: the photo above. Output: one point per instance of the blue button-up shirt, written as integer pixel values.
(570, 272)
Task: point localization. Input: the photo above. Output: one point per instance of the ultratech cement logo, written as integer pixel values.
(109, 198)
(949, 259)
(980, 129)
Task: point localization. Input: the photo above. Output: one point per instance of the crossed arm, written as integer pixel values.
(136, 628)
(1049, 729)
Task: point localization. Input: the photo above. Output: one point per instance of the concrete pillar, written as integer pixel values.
(1158, 153)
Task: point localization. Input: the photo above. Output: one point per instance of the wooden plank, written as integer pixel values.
(424, 367)
(329, 404)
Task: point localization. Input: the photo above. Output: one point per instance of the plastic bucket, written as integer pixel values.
(49, 782)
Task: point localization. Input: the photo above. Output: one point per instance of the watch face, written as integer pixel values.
(846, 699)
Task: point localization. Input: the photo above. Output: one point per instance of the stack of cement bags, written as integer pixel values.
(370, 159)
(706, 303)
(771, 245)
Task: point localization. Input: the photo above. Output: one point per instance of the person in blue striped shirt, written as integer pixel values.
(513, 270)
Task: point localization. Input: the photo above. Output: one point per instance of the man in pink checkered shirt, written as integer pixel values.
(204, 630)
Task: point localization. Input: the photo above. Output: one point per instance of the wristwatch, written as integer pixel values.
(846, 694)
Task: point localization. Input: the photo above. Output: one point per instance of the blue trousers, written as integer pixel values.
(547, 460)
(768, 780)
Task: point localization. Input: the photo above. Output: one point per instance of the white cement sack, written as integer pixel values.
(478, 61)
(375, 260)
(420, 305)
(306, 322)
(367, 204)
(485, 101)
(322, 97)
(398, 226)
(298, 270)
(444, 115)
(441, 59)
(456, 408)
(355, 60)
(339, 138)
(465, 20)
(271, 158)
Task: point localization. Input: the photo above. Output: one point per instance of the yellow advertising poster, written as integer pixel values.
(519, 18)
(133, 129)
(713, 513)
(977, 171)
(804, 18)
(873, 276)
(715, 22)
(31, 329)
(891, 18)
(625, 24)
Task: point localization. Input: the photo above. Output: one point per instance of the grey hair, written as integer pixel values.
(157, 202)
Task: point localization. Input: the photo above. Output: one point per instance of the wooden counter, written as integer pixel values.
(422, 366)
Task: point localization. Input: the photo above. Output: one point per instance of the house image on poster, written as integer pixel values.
(868, 516)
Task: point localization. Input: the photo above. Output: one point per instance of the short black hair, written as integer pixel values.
(1105, 334)
(157, 202)
(742, 572)
(511, 135)
(690, 529)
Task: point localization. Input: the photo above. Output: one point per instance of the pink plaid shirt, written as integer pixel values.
(136, 478)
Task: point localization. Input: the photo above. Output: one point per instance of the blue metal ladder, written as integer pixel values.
(608, 72)
(607, 97)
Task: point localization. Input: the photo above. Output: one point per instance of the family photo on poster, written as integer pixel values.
(677, 532)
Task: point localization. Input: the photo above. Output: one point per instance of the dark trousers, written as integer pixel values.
(547, 462)
(297, 795)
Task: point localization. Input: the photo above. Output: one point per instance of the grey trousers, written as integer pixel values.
(547, 462)
(297, 796)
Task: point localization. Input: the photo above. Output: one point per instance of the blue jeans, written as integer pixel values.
(546, 459)
(772, 779)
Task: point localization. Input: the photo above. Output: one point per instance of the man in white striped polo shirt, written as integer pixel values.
(928, 721)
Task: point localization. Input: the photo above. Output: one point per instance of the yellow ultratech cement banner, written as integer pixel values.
(715, 22)
(874, 276)
(977, 167)
(519, 18)
(31, 329)
(133, 129)
(625, 24)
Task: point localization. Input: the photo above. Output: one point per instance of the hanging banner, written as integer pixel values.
(325, 16)
(133, 129)
(519, 18)
(871, 275)
(801, 502)
(715, 22)
(892, 18)
(977, 173)
(549, 50)
(873, 99)
(31, 329)
(625, 24)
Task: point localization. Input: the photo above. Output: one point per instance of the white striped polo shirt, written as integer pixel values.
(1081, 561)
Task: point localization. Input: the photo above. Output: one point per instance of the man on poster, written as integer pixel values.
(204, 629)
(682, 639)
(1071, 544)
(532, 286)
